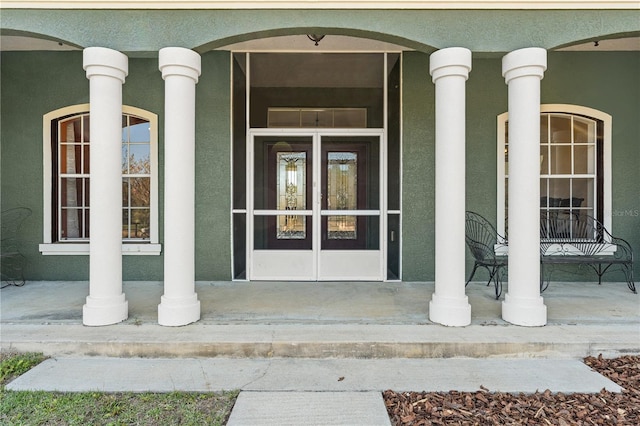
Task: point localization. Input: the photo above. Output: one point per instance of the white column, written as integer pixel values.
(523, 69)
(180, 70)
(449, 69)
(106, 70)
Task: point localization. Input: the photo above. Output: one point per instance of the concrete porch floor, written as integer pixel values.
(319, 320)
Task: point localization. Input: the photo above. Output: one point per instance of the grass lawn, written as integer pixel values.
(99, 408)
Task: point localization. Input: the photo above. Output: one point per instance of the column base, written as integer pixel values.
(453, 312)
(527, 312)
(105, 311)
(174, 312)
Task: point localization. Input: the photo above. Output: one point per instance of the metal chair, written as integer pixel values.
(12, 260)
(481, 238)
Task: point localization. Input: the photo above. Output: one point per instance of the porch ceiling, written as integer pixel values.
(136, 32)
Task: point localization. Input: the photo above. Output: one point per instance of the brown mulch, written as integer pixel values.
(542, 408)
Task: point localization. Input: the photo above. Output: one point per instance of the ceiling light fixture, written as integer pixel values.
(315, 38)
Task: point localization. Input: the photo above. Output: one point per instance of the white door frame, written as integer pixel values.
(307, 265)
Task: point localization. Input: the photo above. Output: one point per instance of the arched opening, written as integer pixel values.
(306, 120)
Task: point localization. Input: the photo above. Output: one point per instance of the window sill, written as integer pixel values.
(82, 249)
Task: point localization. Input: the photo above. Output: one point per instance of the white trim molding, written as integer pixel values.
(323, 4)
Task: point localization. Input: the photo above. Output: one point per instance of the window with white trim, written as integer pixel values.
(575, 163)
(67, 138)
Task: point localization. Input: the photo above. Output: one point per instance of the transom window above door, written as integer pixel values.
(316, 90)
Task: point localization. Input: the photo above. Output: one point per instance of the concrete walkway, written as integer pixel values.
(317, 353)
(311, 391)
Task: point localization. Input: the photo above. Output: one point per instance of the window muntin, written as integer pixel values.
(575, 163)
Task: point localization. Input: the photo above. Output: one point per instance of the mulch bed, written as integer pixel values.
(542, 408)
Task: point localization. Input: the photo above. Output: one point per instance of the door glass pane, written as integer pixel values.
(342, 180)
(282, 232)
(291, 181)
(351, 232)
(291, 227)
(342, 228)
(282, 181)
(282, 173)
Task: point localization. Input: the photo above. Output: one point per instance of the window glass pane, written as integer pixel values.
(583, 192)
(139, 191)
(87, 183)
(125, 223)
(560, 129)
(559, 189)
(316, 118)
(506, 160)
(140, 223)
(544, 198)
(125, 158)
(70, 158)
(584, 159)
(350, 118)
(561, 159)
(139, 159)
(71, 192)
(125, 192)
(87, 159)
(71, 223)
(584, 130)
(139, 132)
(544, 129)
(544, 159)
(85, 128)
(239, 245)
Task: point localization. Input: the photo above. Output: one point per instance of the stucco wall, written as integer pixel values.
(608, 81)
(34, 83)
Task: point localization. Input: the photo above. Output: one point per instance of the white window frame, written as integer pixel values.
(606, 157)
(49, 247)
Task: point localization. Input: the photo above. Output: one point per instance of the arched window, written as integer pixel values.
(66, 141)
(575, 163)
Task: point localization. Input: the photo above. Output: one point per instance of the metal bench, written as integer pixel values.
(482, 238)
(13, 261)
(581, 239)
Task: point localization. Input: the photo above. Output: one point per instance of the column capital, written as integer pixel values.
(452, 61)
(531, 61)
(179, 61)
(105, 62)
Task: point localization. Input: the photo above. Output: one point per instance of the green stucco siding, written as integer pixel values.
(418, 174)
(213, 169)
(608, 81)
(35, 83)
